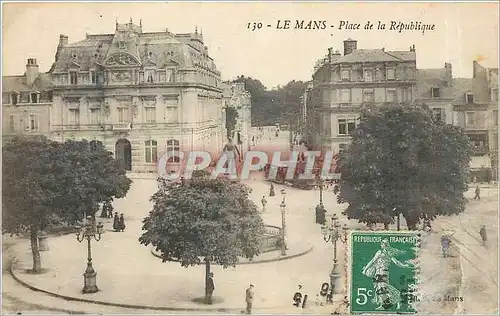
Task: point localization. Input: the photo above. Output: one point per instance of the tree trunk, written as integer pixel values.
(37, 264)
(207, 274)
(398, 222)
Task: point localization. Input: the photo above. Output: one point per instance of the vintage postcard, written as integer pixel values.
(250, 157)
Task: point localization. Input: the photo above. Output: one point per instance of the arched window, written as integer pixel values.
(151, 152)
(173, 150)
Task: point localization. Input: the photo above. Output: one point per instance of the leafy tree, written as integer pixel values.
(45, 180)
(231, 116)
(203, 220)
(402, 161)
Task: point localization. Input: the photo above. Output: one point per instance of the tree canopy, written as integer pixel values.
(279, 105)
(203, 219)
(403, 161)
(43, 180)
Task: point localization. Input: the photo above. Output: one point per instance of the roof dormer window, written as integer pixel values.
(34, 97)
(435, 92)
(14, 98)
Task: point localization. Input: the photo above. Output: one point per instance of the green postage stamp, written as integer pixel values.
(383, 272)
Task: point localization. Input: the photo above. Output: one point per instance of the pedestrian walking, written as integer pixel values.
(477, 192)
(445, 245)
(249, 299)
(271, 190)
(121, 222)
(264, 203)
(482, 232)
(116, 222)
(109, 209)
(210, 288)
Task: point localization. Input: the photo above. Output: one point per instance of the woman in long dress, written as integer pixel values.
(385, 294)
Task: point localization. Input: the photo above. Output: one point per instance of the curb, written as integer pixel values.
(131, 306)
(308, 250)
(121, 305)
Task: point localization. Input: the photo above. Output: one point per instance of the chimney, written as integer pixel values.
(412, 48)
(330, 51)
(31, 71)
(63, 40)
(350, 45)
(449, 74)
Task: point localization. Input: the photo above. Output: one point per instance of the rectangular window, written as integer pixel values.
(93, 77)
(494, 95)
(33, 122)
(368, 96)
(150, 113)
(345, 96)
(34, 98)
(170, 75)
(437, 113)
(435, 92)
(151, 151)
(150, 76)
(406, 94)
(391, 74)
(95, 116)
(342, 126)
(73, 77)
(368, 75)
(495, 117)
(12, 123)
(74, 117)
(469, 119)
(351, 126)
(141, 77)
(173, 149)
(161, 76)
(391, 96)
(346, 75)
(469, 98)
(342, 147)
(123, 115)
(346, 126)
(14, 98)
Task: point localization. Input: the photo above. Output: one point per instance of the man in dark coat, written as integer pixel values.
(210, 288)
(122, 222)
(116, 222)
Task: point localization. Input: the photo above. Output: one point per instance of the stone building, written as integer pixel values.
(141, 94)
(237, 97)
(345, 83)
(27, 102)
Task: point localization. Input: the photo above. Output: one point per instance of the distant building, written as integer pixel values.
(344, 84)
(27, 102)
(141, 94)
(237, 97)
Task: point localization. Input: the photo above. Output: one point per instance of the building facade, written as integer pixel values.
(27, 102)
(343, 84)
(141, 94)
(237, 97)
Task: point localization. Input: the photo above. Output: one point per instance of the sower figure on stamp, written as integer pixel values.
(210, 288)
(386, 295)
(249, 299)
(477, 192)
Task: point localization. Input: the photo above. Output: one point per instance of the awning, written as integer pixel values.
(480, 162)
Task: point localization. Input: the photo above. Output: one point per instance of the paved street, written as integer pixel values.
(126, 268)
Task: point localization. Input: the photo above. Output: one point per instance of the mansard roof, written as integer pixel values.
(376, 55)
(158, 48)
(19, 84)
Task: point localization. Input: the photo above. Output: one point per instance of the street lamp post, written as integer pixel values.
(320, 208)
(283, 227)
(89, 232)
(333, 234)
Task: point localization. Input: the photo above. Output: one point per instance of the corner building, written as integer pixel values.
(345, 84)
(140, 94)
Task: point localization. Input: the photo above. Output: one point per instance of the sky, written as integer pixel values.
(463, 32)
